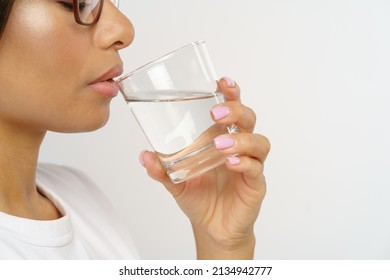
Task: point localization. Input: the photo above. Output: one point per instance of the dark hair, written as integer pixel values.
(5, 10)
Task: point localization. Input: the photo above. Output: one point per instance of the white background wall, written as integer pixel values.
(318, 75)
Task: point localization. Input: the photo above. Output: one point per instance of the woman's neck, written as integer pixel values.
(19, 196)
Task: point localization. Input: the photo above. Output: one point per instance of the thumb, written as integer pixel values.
(156, 171)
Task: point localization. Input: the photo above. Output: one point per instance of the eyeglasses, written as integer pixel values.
(87, 12)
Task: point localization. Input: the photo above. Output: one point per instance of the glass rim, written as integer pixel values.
(159, 60)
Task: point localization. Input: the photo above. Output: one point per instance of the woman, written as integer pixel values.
(58, 60)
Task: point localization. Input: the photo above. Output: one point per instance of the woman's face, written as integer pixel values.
(53, 71)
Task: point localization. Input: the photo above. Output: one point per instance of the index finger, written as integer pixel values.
(229, 88)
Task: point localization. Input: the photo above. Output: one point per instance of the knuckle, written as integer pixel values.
(254, 168)
(236, 111)
(266, 144)
(252, 114)
(245, 140)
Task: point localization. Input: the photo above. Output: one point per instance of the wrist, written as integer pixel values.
(218, 246)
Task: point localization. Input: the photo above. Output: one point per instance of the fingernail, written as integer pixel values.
(234, 160)
(220, 112)
(140, 158)
(229, 82)
(223, 142)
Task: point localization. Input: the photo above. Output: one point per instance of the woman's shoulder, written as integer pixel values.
(73, 191)
(61, 173)
(70, 184)
(60, 177)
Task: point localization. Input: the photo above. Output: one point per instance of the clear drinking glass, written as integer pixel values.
(171, 98)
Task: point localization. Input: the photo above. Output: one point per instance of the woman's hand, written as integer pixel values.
(223, 204)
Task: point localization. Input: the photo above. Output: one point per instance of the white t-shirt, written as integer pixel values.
(88, 229)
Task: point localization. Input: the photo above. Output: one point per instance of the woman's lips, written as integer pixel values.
(107, 88)
(105, 85)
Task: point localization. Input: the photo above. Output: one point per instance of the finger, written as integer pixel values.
(253, 145)
(229, 88)
(156, 171)
(153, 166)
(234, 112)
(251, 169)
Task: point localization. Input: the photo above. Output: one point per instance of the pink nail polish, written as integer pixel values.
(220, 112)
(140, 158)
(223, 142)
(229, 82)
(234, 160)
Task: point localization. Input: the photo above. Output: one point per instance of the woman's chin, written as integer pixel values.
(83, 125)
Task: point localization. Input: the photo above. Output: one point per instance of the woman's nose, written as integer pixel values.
(114, 29)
